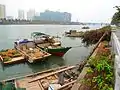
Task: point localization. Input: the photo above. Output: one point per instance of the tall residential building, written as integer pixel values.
(2, 11)
(55, 16)
(30, 14)
(67, 17)
(21, 14)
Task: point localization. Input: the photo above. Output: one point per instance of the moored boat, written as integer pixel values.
(29, 49)
(74, 33)
(35, 34)
(85, 27)
(58, 50)
(10, 56)
(49, 44)
(57, 79)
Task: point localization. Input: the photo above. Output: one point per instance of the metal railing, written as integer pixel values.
(116, 51)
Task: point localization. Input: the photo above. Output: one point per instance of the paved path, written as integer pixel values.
(117, 32)
(117, 61)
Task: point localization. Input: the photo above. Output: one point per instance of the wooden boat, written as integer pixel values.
(29, 49)
(61, 78)
(49, 44)
(35, 34)
(54, 50)
(39, 34)
(11, 56)
(85, 27)
(73, 33)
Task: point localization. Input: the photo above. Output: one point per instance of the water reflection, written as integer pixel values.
(51, 62)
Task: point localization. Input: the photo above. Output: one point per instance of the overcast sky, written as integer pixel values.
(81, 10)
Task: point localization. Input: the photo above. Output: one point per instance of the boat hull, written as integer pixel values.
(58, 51)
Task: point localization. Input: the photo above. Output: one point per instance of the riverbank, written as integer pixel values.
(98, 73)
(25, 22)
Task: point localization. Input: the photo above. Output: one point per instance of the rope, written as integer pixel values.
(77, 46)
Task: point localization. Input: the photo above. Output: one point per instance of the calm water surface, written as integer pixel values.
(9, 33)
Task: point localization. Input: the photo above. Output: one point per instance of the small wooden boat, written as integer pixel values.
(73, 33)
(55, 50)
(85, 27)
(49, 44)
(29, 49)
(61, 78)
(11, 56)
(35, 34)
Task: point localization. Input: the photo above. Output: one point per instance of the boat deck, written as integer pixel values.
(41, 81)
(24, 83)
(33, 54)
(43, 45)
(50, 47)
(17, 59)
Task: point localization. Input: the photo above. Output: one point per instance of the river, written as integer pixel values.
(9, 33)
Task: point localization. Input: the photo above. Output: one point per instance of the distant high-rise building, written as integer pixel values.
(54, 16)
(30, 14)
(67, 17)
(21, 14)
(2, 11)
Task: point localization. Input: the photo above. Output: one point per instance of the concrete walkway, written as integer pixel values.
(116, 50)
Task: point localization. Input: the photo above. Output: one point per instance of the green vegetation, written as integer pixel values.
(100, 75)
(116, 16)
(93, 36)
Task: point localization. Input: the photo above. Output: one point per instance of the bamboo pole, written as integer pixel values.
(66, 85)
(52, 73)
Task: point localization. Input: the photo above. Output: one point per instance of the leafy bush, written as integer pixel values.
(93, 36)
(100, 75)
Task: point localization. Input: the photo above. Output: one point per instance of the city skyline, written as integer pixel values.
(54, 16)
(49, 15)
(81, 10)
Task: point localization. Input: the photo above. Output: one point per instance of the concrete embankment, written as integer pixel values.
(78, 85)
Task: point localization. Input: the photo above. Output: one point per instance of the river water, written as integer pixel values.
(9, 33)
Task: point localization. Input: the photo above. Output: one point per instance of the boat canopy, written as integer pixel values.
(34, 34)
(23, 41)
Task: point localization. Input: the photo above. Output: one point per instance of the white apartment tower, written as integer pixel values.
(21, 14)
(2, 11)
(30, 14)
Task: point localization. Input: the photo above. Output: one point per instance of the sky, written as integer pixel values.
(96, 11)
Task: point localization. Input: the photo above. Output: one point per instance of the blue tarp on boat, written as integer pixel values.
(24, 41)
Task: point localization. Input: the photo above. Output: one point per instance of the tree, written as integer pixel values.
(116, 16)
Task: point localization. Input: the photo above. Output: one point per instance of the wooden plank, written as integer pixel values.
(1, 58)
(22, 52)
(66, 85)
(40, 85)
(30, 75)
(52, 73)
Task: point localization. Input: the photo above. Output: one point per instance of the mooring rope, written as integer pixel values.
(77, 46)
